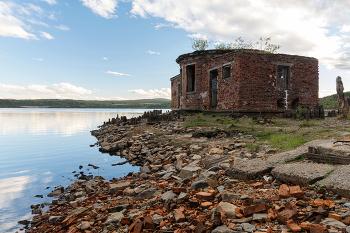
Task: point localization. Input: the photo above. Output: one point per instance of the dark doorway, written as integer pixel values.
(295, 103)
(214, 88)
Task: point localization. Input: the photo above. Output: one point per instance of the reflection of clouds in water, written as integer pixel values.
(7, 221)
(12, 188)
(14, 173)
(47, 180)
(64, 123)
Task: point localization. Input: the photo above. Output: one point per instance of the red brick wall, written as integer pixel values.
(252, 85)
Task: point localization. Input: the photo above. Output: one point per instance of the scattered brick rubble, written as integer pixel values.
(186, 185)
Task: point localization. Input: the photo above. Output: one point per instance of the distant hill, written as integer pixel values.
(69, 103)
(330, 102)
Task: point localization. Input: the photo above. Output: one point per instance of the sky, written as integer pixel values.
(126, 49)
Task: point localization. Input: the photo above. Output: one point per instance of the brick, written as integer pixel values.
(205, 196)
(293, 226)
(257, 185)
(335, 216)
(286, 215)
(317, 230)
(179, 215)
(147, 223)
(200, 228)
(308, 226)
(283, 191)
(179, 190)
(125, 220)
(346, 221)
(295, 191)
(206, 204)
(248, 210)
(162, 185)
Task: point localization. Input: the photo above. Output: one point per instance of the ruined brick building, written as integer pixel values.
(243, 81)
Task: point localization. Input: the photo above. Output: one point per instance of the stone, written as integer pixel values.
(295, 191)
(249, 169)
(168, 196)
(157, 219)
(330, 222)
(115, 187)
(248, 227)
(205, 196)
(56, 192)
(222, 229)
(199, 184)
(113, 218)
(53, 219)
(145, 169)
(229, 208)
(283, 191)
(338, 181)
(179, 215)
(301, 173)
(146, 193)
(259, 217)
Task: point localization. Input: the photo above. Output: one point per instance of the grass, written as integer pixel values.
(284, 134)
(327, 174)
(297, 159)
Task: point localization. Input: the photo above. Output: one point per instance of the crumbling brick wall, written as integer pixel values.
(253, 83)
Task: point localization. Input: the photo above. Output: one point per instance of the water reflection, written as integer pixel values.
(12, 188)
(65, 123)
(40, 149)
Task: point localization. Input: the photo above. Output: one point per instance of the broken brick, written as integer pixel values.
(293, 226)
(286, 215)
(283, 191)
(179, 215)
(335, 216)
(295, 191)
(179, 190)
(205, 196)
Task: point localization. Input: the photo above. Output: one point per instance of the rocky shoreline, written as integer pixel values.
(194, 180)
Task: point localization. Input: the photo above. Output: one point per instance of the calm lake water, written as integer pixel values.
(40, 148)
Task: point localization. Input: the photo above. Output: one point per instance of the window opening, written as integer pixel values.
(226, 72)
(283, 79)
(190, 78)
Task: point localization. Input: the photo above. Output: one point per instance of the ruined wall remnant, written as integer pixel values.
(343, 101)
(244, 80)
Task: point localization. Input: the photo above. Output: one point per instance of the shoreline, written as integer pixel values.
(186, 184)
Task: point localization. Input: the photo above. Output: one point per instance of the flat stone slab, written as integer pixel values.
(249, 169)
(338, 181)
(301, 173)
(284, 157)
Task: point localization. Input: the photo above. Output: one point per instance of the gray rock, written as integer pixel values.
(249, 169)
(145, 169)
(113, 218)
(114, 188)
(259, 217)
(146, 193)
(220, 188)
(56, 192)
(301, 173)
(228, 208)
(229, 196)
(118, 208)
(199, 184)
(188, 171)
(157, 219)
(53, 219)
(331, 222)
(222, 229)
(248, 227)
(168, 196)
(338, 181)
(347, 229)
(242, 220)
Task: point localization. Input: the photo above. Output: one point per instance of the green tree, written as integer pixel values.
(263, 44)
(200, 43)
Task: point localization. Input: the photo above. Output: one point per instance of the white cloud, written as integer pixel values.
(38, 59)
(117, 73)
(51, 2)
(62, 27)
(160, 25)
(152, 52)
(46, 35)
(52, 17)
(38, 22)
(104, 8)
(155, 93)
(10, 25)
(299, 26)
(60, 91)
(105, 58)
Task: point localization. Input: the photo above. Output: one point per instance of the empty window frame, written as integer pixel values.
(190, 71)
(283, 76)
(226, 71)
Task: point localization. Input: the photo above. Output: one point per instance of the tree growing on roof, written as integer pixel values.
(200, 43)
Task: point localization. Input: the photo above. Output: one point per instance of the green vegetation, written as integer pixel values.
(330, 102)
(69, 103)
(263, 45)
(328, 173)
(297, 159)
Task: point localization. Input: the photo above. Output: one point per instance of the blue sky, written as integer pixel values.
(126, 49)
